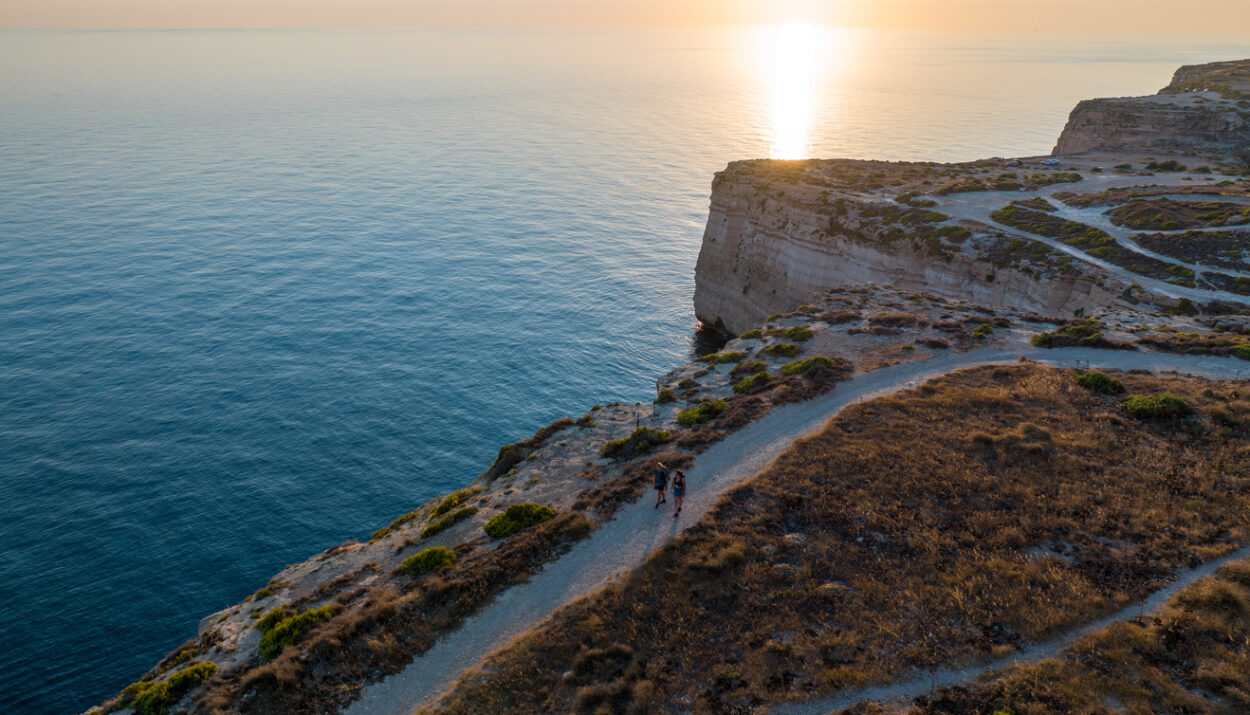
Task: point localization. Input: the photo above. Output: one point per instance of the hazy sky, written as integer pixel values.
(1187, 16)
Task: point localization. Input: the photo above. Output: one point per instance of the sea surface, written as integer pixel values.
(263, 291)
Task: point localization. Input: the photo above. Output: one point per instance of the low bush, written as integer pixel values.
(639, 442)
(984, 330)
(151, 697)
(455, 499)
(747, 368)
(518, 517)
(1085, 335)
(1164, 405)
(754, 334)
(447, 521)
(290, 629)
(1099, 382)
(701, 413)
(798, 367)
(427, 560)
(782, 349)
(666, 396)
(798, 333)
(754, 383)
(1242, 352)
(273, 618)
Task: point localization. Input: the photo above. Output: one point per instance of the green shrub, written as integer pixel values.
(732, 356)
(1164, 405)
(1242, 351)
(1100, 382)
(271, 619)
(753, 383)
(427, 560)
(150, 697)
(701, 413)
(752, 334)
(798, 367)
(798, 333)
(709, 358)
(666, 396)
(984, 330)
(447, 521)
(747, 368)
(639, 442)
(782, 349)
(455, 499)
(1184, 306)
(289, 630)
(518, 517)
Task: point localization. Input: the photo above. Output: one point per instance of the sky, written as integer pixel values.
(1190, 16)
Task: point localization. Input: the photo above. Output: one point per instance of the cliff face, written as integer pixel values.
(1195, 122)
(765, 254)
(1204, 108)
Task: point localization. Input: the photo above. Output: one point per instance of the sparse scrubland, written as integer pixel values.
(951, 523)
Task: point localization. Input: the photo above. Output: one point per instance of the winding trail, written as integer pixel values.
(638, 529)
(977, 206)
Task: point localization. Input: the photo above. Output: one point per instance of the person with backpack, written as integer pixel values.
(661, 483)
(679, 490)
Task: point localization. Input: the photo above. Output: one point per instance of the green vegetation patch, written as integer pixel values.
(753, 334)
(782, 349)
(983, 331)
(1165, 214)
(518, 517)
(747, 368)
(641, 441)
(1072, 233)
(153, 697)
(1099, 382)
(427, 560)
(290, 629)
(272, 618)
(702, 412)
(798, 367)
(798, 333)
(446, 521)
(665, 396)
(754, 383)
(1161, 406)
(453, 500)
(1085, 334)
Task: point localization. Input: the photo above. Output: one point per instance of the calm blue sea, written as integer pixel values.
(262, 291)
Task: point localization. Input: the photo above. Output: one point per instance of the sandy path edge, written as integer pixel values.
(638, 529)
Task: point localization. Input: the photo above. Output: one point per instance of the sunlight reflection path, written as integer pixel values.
(794, 57)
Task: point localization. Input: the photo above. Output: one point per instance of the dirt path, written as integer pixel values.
(946, 677)
(977, 206)
(638, 529)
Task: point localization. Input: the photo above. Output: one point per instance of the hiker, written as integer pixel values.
(679, 490)
(661, 481)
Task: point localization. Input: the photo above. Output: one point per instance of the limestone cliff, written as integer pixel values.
(1204, 109)
(769, 246)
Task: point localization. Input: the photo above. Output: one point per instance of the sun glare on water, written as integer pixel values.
(794, 56)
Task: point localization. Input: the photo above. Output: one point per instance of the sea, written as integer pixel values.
(262, 291)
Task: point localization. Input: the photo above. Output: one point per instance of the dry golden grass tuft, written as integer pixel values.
(945, 524)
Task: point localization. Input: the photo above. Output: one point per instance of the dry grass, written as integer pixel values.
(1194, 657)
(953, 522)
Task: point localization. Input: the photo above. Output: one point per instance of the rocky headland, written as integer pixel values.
(1130, 247)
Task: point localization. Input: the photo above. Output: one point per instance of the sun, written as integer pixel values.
(793, 56)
